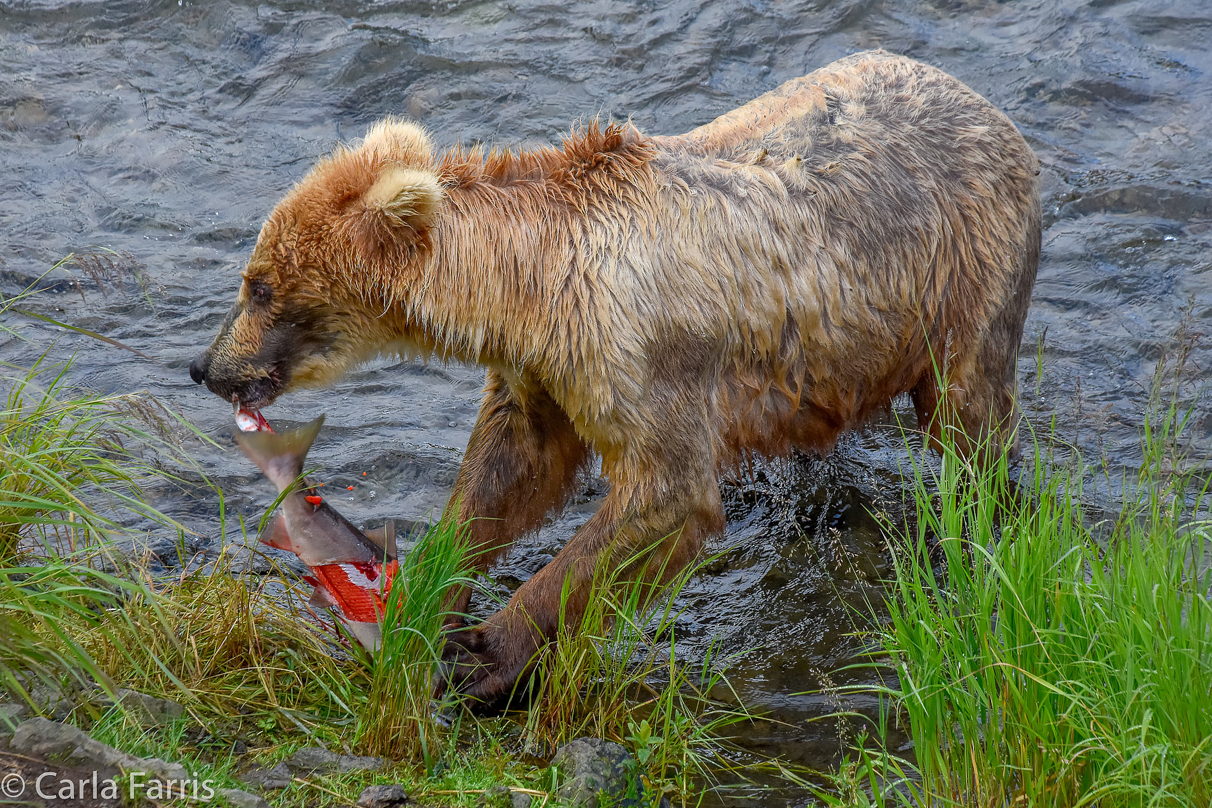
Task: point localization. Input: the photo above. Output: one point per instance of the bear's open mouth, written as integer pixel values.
(249, 419)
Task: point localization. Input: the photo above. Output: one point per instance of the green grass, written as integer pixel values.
(616, 675)
(1041, 657)
(472, 764)
(40, 609)
(246, 666)
(396, 719)
(73, 464)
(246, 662)
(73, 469)
(230, 652)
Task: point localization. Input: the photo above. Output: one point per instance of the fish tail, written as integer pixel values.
(280, 455)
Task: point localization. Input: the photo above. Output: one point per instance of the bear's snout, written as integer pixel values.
(248, 360)
(251, 385)
(197, 368)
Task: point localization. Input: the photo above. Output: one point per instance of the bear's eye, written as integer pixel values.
(260, 292)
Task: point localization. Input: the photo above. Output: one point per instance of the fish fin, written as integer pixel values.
(280, 455)
(368, 635)
(321, 598)
(389, 534)
(275, 535)
(384, 537)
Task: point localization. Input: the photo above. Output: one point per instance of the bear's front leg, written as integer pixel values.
(669, 521)
(520, 464)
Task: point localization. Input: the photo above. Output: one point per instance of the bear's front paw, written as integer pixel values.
(484, 663)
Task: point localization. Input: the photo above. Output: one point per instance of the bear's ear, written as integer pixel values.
(395, 210)
(406, 196)
(396, 140)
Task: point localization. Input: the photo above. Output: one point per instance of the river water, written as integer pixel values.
(150, 139)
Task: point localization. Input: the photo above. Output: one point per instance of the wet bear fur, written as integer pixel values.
(671, 305)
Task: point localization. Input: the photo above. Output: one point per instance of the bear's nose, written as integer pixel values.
(197, 370)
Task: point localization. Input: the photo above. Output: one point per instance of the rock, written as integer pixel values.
(160, 769)
(279, 776)
(242, 799)
(58, 702)
(148, 709)
(42, 738)
(503, 797)
(12, 714)
(382, 797)
(314, 760)
(592, 771)
(52, 702)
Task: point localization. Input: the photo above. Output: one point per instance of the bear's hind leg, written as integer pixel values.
(982, 374)
(978, 408)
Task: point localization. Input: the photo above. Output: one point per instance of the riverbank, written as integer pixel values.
(1031, 647)
(1040, 651)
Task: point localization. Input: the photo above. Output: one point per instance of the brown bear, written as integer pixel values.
(669, 304)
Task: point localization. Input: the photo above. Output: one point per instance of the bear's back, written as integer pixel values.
(865, 96)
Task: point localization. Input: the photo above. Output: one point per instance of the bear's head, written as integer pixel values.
(331, 259)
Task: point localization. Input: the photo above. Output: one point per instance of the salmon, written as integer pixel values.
(350, 570)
